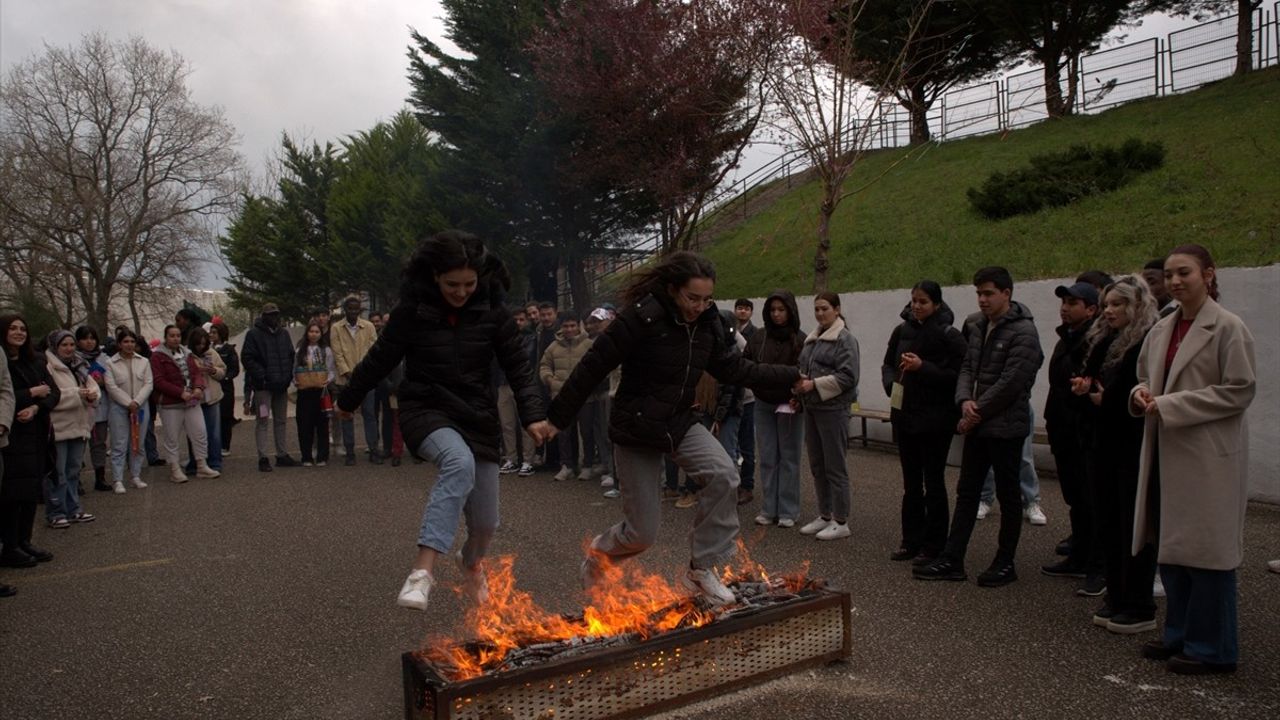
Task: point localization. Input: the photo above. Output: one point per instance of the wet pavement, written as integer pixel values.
(272, 596)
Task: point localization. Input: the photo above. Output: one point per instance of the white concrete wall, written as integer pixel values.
(1251, 293)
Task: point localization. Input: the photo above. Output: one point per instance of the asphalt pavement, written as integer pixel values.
(272, 596)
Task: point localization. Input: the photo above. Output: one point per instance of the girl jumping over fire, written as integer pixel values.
(667, 334)
(448, 328)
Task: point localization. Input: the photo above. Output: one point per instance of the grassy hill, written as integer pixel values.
(1219, 186)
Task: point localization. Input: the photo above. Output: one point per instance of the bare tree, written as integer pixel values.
(825, 112)
(109, 158)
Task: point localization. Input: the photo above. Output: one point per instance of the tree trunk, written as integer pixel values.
(98, 317)
(1052, 88)
(1073, 84)
(919, 109)
(578, 286)
(133, 308)
(1244, 36)
(820, 260)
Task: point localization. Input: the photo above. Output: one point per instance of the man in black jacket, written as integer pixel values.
(267, 360)
(993, 393)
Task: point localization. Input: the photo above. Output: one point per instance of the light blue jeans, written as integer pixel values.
(61, 493)
(1027, 478)
(118, 423)
(779, 439)
(465, 487)
(368, 413)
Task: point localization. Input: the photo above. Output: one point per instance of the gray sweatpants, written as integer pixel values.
(826, 437)
(278, 409)
(715, 520)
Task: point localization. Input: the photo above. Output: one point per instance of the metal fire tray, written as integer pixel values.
(668, 670)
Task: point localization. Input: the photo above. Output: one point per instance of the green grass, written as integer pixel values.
(1219, 186)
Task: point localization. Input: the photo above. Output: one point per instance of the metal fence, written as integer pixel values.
(1183, 60)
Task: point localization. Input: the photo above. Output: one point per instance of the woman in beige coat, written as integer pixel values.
(1195, 381)
(72, 421)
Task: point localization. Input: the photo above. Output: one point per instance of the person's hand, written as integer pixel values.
(964, 426)
(803, 385)
(39, 391)
(795, 405)
(1081, 385)
(248, 409)
(26, 414)
(970, 411)
(715, 429)
(542, 431)
(133, 407)
(84, 393)
(910, 362)
(1152, 409)
(1142, 399)
(343, 414)
(186, 395)
(1095, 396)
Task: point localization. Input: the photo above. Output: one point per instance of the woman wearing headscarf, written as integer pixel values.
(72, 420)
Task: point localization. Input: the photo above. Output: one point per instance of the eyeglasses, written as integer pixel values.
(696, 300)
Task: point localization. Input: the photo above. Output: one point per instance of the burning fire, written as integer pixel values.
(627, 601)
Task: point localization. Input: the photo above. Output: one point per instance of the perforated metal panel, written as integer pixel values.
(673, 669)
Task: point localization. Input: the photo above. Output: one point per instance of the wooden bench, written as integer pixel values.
(865, 414)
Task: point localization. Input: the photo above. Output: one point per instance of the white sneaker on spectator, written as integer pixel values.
(566, 473)
(1035, 515)
(525, 470)
(763, 519)
(606, 481)
(117, 487)
(816, 526)
(1273, 566)
(786, 523)
(612, 493)
(708, 585)
(507, 468)
(416, 590)
(984, 509)
(835, 531)
(137, 482)
(586, 474)
(1157, 588)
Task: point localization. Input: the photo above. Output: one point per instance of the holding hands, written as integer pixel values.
(542, 432)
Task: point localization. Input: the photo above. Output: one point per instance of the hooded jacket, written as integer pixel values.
(448, 355)
(267, 358)
(926, 393)
(999, 370)
(561, 357)
(662, 358)
(72, 417)
(776, 345)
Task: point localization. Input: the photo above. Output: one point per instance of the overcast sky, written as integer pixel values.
(318, 69)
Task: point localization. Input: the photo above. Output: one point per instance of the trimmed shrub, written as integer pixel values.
(1058, 179)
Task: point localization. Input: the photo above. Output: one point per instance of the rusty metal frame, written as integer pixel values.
(427, 695)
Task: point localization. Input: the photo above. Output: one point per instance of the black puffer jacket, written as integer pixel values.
(448, 355)
(999, 371)
(267, 358)
(776, 345)
(662, 359)
(26, 457)
(926, 393)
(227, 352)
(1062, 408)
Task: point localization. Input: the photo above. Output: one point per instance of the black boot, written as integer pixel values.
(100, 480)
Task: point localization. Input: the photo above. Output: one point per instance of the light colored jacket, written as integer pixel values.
(1202, 438)
(128, 380)
(72, 418)
(348, 351)
(7, 403)
(831, 359)
(561, 357)
(213, 389)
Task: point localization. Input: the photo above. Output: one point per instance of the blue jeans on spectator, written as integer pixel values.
(729, 436)
(747, 447)
(368, 411)
(779, 441)
(118, 424)
(1027, 478)
(1201, 620)
(465, 487)
(213, 434)
(61, 491)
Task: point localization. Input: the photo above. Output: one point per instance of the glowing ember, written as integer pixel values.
(626, 602)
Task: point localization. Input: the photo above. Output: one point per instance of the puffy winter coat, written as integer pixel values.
(999, 370)
(560, 359)
(1062, 408)
(776, 345)
(227, 352)
(927, 393)
(447, 354)
(72, 417)
(26, 457)
(832, 359)
(167, 376)
(662, 359)
(267, 358)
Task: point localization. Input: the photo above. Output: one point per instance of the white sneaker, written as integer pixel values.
(1035, 515)
(708, 585)
(507, 468)
(612, 493)
(117, 487)
(1157, 588)
(137, 482)
(306, 463)
(564, 474)
(606, 481)
(763, 519)
(526, 469)
(816, 526)
(586, 474)
(475, 582)
(176, 475)
(416, 590)
(322, 463)
(786, 523)
(835, 531)
(204, 471)
(984, 509)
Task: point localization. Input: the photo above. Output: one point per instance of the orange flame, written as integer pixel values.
(626, 600)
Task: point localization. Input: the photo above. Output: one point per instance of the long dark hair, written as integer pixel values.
(26, 351)
(833, 300)
(195, 336)
(673, 271)
(1204, 259)
(301, 358)
(446, 251)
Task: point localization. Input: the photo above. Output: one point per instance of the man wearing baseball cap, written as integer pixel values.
(267, 360)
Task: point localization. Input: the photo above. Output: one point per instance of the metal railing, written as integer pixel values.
(1183, 60)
